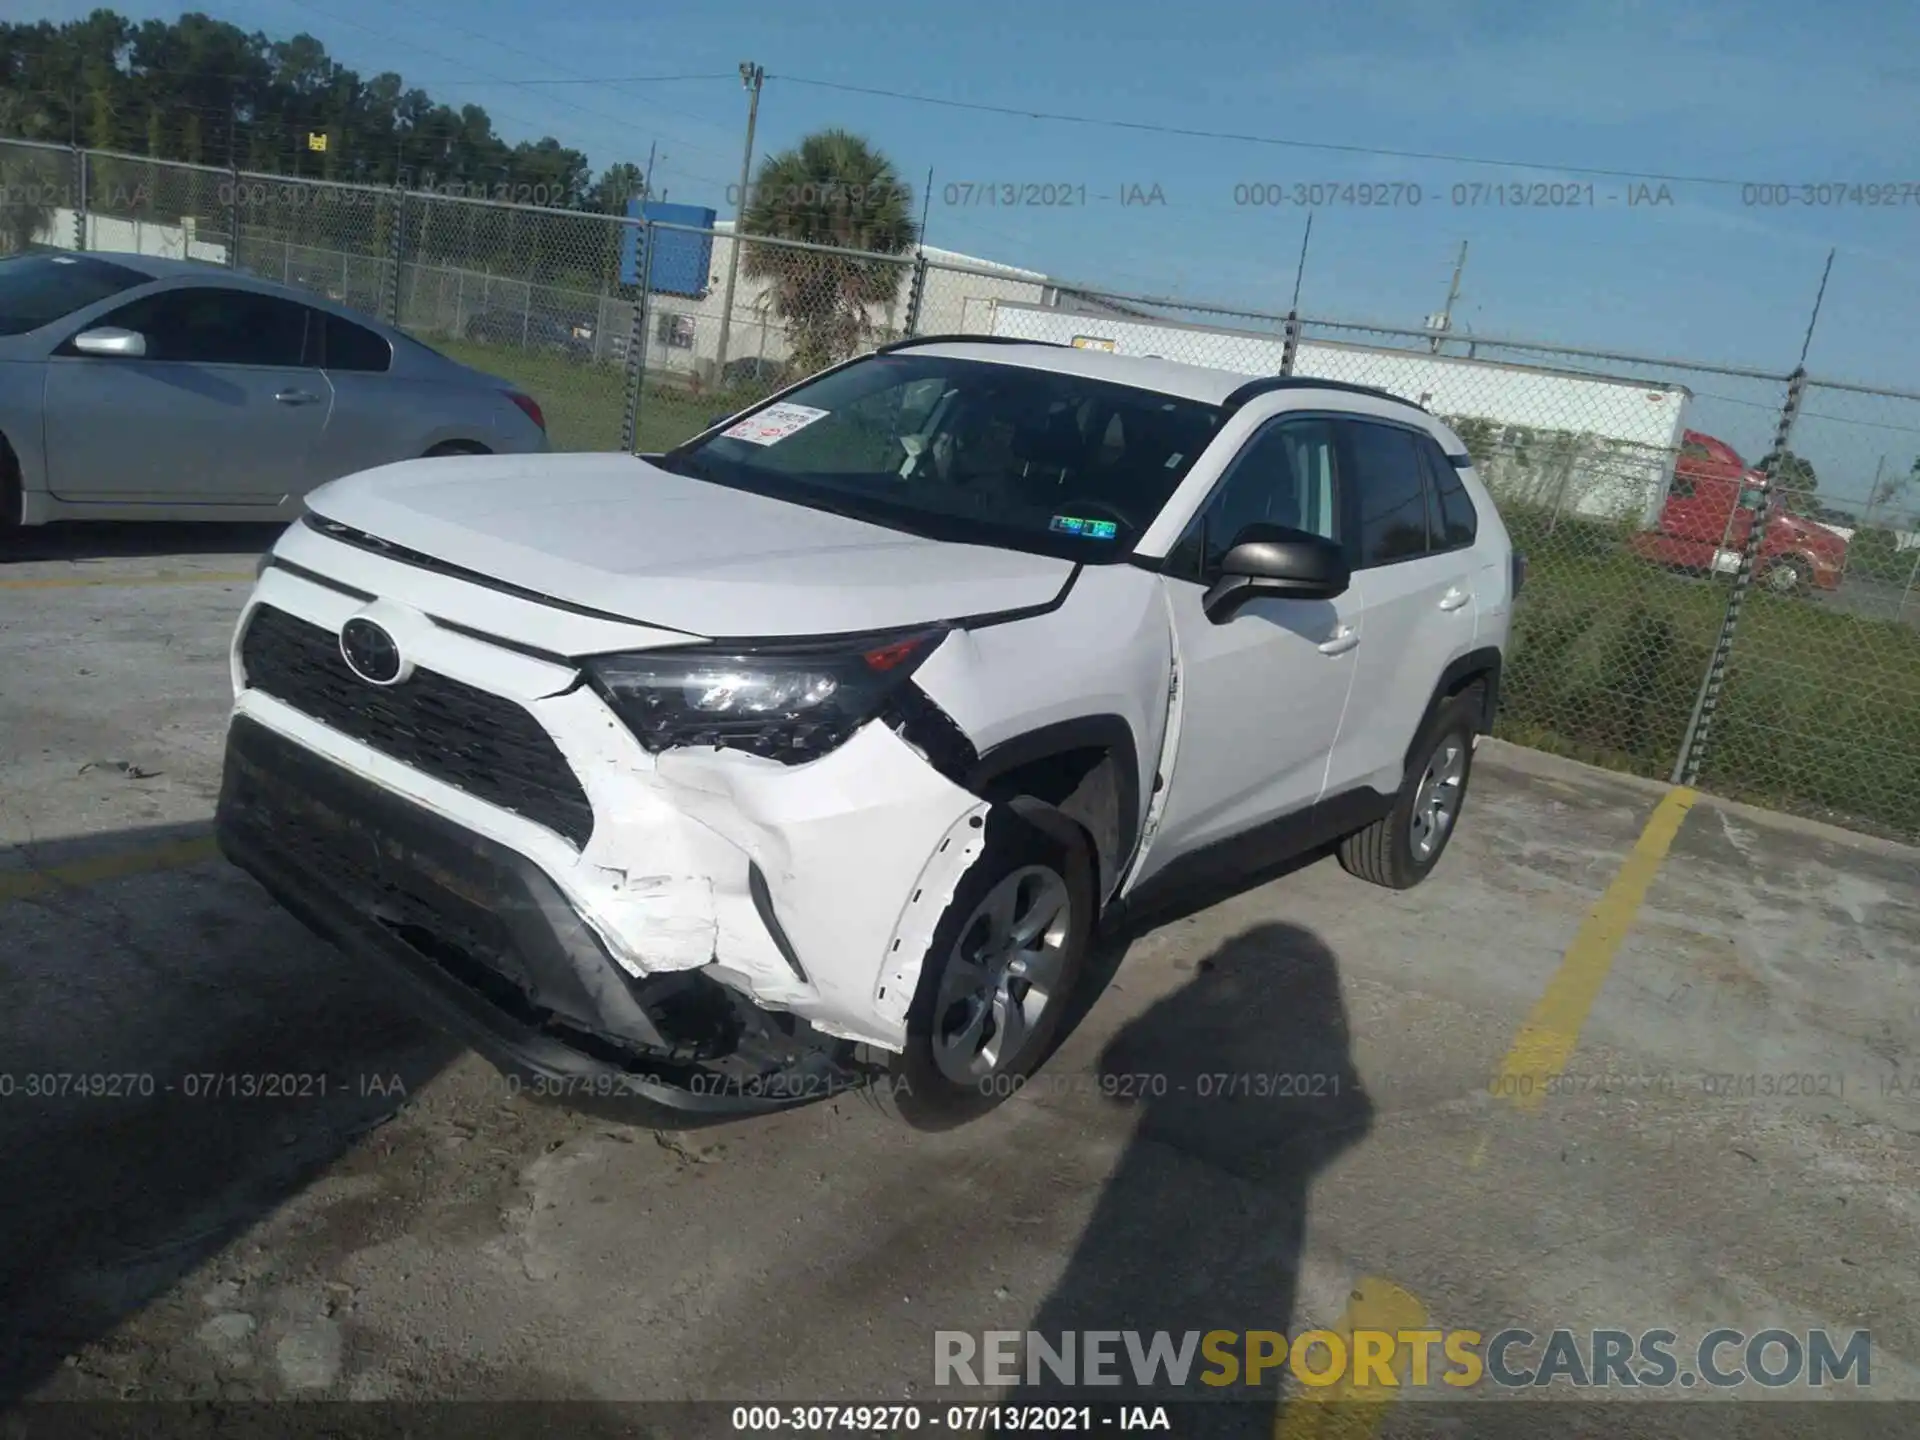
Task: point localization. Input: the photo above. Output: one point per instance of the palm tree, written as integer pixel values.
(833, 188)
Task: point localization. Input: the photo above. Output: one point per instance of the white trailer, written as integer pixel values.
(1576, 443)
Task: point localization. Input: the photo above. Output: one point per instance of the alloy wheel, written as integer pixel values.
(1437, 801)
(1003, 973)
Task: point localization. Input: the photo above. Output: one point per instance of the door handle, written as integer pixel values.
(1341, 641)
(295, 397)
(1455, 598)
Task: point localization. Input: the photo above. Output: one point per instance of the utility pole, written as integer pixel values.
(1453, 295)
(751, 76)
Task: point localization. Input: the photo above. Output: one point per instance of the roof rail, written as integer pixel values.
(913, 340)
(1268, 384)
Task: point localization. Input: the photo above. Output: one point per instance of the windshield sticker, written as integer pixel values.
(774, 424)
(1091, 529)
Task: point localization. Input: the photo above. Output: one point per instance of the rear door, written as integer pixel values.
(1418, 607)
(223, 409)
(376, 418)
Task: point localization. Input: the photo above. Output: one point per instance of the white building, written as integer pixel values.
(961, 292)
(131, 237)
(1578, 443)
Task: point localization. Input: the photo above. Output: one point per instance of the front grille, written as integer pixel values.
(463, 937)
(488, 746)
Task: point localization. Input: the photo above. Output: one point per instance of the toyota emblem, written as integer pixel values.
(370, 652)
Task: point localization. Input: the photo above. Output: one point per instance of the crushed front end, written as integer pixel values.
(702, 928)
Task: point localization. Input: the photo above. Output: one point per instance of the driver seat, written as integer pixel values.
(1056, 443)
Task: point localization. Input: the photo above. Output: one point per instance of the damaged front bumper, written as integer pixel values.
(494, 951)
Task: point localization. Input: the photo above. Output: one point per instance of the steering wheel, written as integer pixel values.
(1079, 508)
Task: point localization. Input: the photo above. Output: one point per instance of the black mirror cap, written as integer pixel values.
(1278, 563)
(1285, 560)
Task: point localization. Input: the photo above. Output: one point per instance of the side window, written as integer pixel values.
(206, 325)
(1451, 519)
(1285, 475)
(353, 347)
(1391, 492)
(1682, 488)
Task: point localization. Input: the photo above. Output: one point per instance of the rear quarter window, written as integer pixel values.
(354, 347)
(1454, 522)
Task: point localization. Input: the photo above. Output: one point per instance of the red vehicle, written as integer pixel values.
(1710, 511)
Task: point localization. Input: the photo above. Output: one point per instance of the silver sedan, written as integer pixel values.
(136, 388)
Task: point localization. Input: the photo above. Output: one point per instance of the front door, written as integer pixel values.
(221, 410)
(1261, 694)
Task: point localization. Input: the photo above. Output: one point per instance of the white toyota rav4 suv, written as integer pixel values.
(814, 752)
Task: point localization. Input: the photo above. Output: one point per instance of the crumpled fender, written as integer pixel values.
(860, 851)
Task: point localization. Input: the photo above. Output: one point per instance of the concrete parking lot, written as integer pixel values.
(1729, 999)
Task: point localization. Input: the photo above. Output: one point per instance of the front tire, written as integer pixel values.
(1787, 576)
(1400, 849)
(1000, 971)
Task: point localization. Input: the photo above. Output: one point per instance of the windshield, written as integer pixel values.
(968, 450)
(36, 290)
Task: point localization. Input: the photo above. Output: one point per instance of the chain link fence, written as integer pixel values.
(1723, 562)
(1821, 702)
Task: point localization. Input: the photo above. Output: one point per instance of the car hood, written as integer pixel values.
(618, 535)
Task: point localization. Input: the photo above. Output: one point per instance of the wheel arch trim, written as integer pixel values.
(1106, 733)
(1480, 665)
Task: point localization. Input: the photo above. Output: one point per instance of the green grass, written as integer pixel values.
(584, 402)
(1820, 712)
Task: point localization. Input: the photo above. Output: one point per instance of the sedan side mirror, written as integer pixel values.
(1276, 562)
(111, 340)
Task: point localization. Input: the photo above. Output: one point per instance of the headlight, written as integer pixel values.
(791, 702)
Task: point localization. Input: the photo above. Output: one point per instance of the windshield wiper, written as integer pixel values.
(678, 462)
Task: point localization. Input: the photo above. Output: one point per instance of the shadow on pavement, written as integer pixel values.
(1245, 1087)
(125, 539)
(180, 1059)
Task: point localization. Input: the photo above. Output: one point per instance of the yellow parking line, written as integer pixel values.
(1344, 1410)
(74, 582)
(1548, 1038)
(19, 884)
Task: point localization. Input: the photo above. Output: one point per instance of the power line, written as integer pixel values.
(621, 79)
(1190, 133)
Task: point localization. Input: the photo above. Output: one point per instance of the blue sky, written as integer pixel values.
(1792, 94)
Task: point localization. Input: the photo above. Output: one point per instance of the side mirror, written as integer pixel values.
(111, 340)
(1279, 563)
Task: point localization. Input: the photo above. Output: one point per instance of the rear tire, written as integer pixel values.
(979, 984)
(1400, 849)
